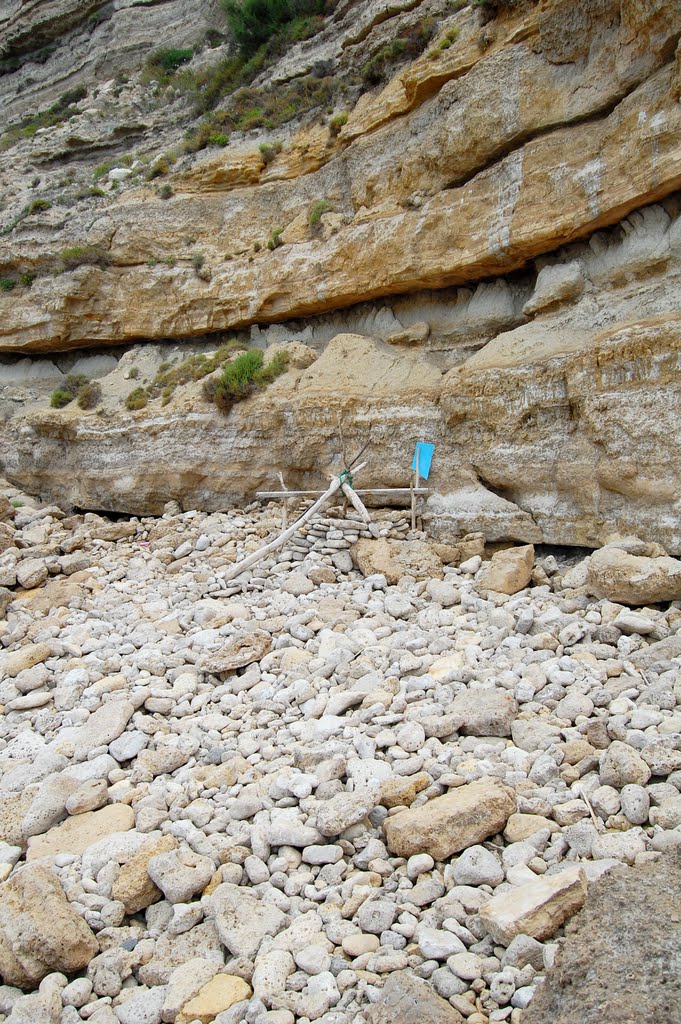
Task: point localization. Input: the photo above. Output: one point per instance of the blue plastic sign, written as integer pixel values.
(424, 453)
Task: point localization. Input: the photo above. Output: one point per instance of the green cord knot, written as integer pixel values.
(345, 477)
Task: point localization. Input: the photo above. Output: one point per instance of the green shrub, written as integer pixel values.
(74, 382)
(89, 395)
(269, 151)
(254, 22)
(218, 139)
(79, 255)
(16, 503)
(137, 399)
(38, 205)
(317, 210)
(274, 241)
(7, 284)
(162, 64)
(59, 398)
(165, 192)
(27, 278)
(75, 385)
(242, 377)
(336, 123)
(410, 44)
(133, 373)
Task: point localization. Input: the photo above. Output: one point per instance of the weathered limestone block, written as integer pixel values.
(452, 822)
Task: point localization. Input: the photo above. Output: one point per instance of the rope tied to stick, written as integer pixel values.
(345, 477)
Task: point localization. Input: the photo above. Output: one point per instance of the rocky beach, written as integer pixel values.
(369, 780)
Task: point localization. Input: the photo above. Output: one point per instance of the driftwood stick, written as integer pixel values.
(278, 542)
(356, 501)
(284, 513)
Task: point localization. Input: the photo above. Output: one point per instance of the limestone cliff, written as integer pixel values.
(486, 254)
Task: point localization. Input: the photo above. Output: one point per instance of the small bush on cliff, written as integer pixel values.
(137, 399)
(194, 368)
(336, 123)
(255, 22)
(89, 396)
(162, 64)
(60, 398)
(409, 44)
(243, 377)
(63, 109)
(80, 255)
(75, 385)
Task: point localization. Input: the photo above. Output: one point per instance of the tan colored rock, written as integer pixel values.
(13, 809)
(31, 572)
(223, 991)
(133, 887)
(508, 571)
(396, 558)
(522, 826)
(81, 831)
(161, 761)
(39, 931)
(456, 552)
(184, 983)
(631, 579)
(397, 791)
(453, 822)
(537, 909)
(6, 536)
(27, 657)
(238, 653)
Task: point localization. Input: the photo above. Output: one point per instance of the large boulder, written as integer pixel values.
(397, 558)
(627, 578)
(453, 822)
(508, 571)
(39, 930)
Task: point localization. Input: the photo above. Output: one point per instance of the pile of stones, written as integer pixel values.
(313, 794)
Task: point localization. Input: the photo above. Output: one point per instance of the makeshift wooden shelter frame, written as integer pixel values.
(344, 483)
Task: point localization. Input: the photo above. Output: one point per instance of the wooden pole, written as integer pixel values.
(388, 491)
(415, 484)
(278, 542)
(356, 502)
(284, 514)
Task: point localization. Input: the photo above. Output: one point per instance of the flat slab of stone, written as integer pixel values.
(81, 831)
(221, 992)
(450, 823)
(621, 958)
(537, 909)
(406, 999)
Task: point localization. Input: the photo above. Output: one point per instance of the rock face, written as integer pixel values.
(626, 912)
(39, 931)
(451, 823)
(550, 394)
